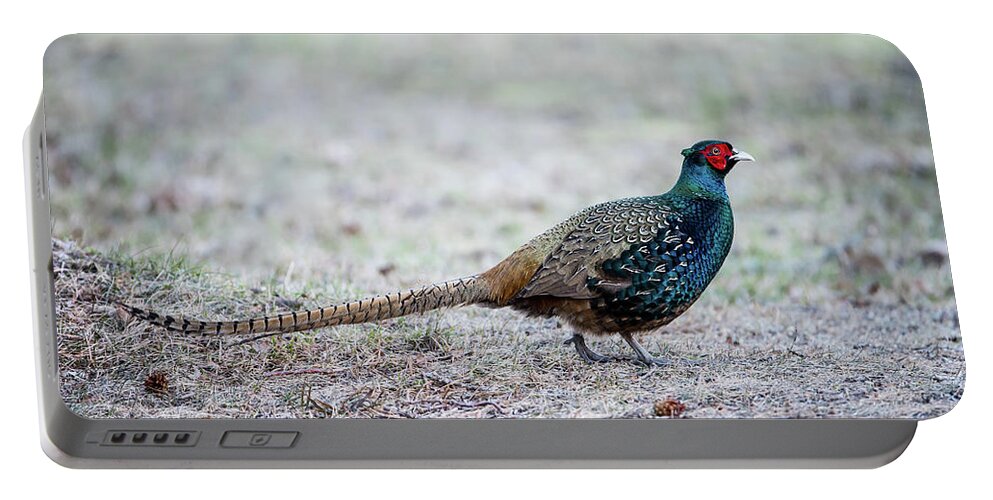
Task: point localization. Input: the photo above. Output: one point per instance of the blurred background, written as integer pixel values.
(432, 156)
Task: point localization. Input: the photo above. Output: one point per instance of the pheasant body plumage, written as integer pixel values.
(620, 267)
(660, 278)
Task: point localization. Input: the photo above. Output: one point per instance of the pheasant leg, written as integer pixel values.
(643, 355)
(584, 351)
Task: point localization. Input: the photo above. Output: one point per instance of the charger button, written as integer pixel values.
(261, 439)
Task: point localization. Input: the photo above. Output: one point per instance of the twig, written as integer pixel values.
(257, 337)
(460, 404)
(438, 379)
(303, 371)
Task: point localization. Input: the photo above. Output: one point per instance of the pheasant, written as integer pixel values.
(621, 267)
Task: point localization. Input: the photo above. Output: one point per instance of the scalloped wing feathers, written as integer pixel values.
(602, 232)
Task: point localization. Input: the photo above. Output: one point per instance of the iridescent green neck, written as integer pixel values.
(699, 180)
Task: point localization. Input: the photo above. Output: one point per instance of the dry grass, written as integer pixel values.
(832, 360)
(227, 176)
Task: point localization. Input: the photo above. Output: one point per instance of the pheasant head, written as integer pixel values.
(706, 163)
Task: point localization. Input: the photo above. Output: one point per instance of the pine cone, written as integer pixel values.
(157, 383)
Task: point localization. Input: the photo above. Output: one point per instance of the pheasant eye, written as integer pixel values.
(715, 151)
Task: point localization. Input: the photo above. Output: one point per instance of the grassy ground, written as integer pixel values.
(234, 176)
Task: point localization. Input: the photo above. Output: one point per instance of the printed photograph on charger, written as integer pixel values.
(496, 226)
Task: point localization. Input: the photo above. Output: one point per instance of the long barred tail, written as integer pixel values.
(459, 292)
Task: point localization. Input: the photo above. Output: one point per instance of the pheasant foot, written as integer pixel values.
(589, 355)
(645, 358)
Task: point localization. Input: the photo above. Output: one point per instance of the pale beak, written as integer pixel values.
(741, 156)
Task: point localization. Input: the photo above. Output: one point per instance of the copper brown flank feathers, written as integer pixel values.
(620, 267)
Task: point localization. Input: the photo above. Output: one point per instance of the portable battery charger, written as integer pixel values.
(486, 251)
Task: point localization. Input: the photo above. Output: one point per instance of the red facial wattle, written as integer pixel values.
(717, 155)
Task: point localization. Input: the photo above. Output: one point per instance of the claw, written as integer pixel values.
(650, 361)
(643, 357)
(589, 355)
